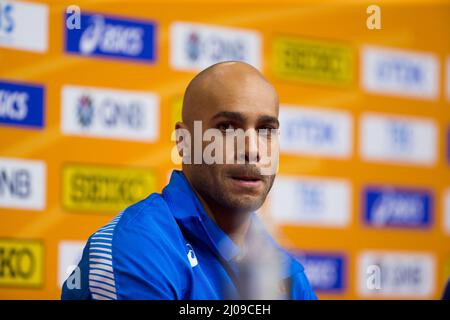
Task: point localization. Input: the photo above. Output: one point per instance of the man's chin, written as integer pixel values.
(246, 203)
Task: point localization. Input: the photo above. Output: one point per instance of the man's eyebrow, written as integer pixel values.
(230, 115)
(269, 119)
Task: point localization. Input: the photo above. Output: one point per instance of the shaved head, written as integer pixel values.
(230, 96)
(221, 82)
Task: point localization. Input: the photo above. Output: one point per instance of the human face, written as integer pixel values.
(239, 184)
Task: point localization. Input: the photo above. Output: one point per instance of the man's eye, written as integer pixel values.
(225, 126)
(267, 131)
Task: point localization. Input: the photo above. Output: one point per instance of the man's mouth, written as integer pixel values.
(246, 181)
(245, 178)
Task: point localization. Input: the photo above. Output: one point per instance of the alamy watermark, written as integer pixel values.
(232, 146)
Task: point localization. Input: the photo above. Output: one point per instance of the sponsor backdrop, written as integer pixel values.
(87, 111)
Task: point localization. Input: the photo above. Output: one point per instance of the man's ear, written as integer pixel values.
(183, 138)
(180, 125)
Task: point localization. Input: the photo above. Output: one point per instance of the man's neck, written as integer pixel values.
(234, 224)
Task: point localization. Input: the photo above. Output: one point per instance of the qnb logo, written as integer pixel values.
(311, 131)
(311, 198)
(114, 113)
(197, 46)
(22, 184)
(191, 256)
(13, 105)
(399, 71)
(111, 38)
(15, 183)
(214, 48)
(7, 23)
(110, 113)
(193, 46)
(85, 111)
(401, 137)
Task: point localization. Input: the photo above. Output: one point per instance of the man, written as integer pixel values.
(201, 238)
(446, 295)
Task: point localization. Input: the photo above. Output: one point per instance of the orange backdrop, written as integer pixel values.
(415, 25)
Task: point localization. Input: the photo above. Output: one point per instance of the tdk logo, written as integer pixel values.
(400, 72)
(21, 104)
(325, 272)
(315, 131)
(318, 132)
(397, 207)
(112, 37)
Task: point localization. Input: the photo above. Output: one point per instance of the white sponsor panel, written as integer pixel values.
(107, 113)
(400, 72)
(396, 274)
(69, 255)
(194, 47)
(24, 25)
(400, 139)
(448, 79)
(310, 201)
(315, 131)
(446, 211)
(22, 184)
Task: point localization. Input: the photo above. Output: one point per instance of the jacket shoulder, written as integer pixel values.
(139, 254)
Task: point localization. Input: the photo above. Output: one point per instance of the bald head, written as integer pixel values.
(224, 83)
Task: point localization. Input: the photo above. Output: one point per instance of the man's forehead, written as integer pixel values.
(244, 109)
(232, 87)
(238, 116)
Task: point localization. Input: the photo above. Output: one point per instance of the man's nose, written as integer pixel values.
(251, 147)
